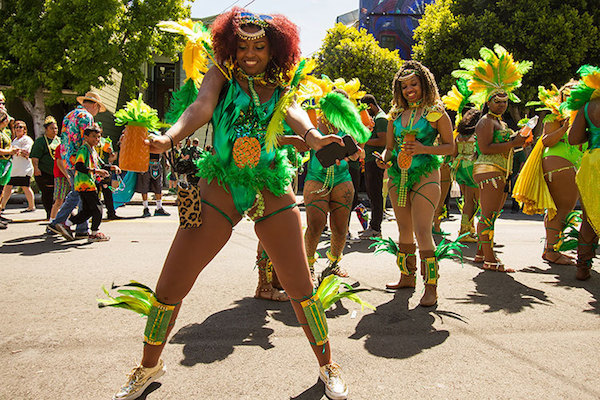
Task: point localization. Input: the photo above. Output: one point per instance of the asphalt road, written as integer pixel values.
(533, 334)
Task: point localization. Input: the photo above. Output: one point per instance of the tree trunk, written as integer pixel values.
(37, 111)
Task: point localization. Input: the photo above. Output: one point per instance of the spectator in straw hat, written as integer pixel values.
(74, 124)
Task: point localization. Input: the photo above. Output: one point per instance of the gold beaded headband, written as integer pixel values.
(408, 73)
(246, 18)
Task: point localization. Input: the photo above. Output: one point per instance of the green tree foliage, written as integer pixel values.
(557, 35)
(349, 53)
(51, 45)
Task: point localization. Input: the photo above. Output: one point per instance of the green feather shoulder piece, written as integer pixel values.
(342, 113)
(181, 100)
(276, 126)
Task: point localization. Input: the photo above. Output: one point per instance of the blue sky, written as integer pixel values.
(313, 17)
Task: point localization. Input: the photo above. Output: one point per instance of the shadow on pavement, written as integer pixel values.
(565, 275)
(39, 244)
(243, 325)
(315, 392)
(153, 386)
(501, 292)
(394, 331)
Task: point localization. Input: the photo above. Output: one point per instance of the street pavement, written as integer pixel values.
(533, 334)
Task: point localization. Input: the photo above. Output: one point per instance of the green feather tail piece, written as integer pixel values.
(568, 238)
(450, 249)
(384, 246)
(329, 293)
(138, 299)
(181, 100)
(342, 113)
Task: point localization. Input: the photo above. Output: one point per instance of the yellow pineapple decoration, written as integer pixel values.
(246, 152)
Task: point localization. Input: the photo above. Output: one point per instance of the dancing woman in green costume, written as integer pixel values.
(560, 162)
(328, 191)
(242, 94)
(585, 99)
(414, 184)
(462, 170)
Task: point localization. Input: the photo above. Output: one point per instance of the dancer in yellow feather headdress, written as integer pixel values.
(586, 128)
(547, 181)
(492, 80)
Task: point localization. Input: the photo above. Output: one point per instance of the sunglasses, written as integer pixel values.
(256, 16)
(20, 127)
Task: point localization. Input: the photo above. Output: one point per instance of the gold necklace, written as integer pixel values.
(497, 116)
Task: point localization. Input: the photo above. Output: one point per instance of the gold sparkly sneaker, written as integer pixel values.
(138, 380)
(335, 387)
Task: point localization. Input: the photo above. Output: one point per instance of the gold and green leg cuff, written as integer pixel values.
(316, 320)
(401, 261)
(158, 322)
(429, 268)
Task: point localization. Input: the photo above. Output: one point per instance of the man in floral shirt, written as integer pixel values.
(74, 124)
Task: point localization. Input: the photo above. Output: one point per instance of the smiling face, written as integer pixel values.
(411, 89)
(498, 104)
(20, 129)
(253, 56)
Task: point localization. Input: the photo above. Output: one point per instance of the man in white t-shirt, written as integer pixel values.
(22, 168)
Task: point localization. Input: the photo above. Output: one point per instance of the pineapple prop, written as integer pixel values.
(139, 118)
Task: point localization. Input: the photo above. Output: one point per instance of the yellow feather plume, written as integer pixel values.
(453, 99)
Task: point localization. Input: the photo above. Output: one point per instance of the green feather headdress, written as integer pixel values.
(587, 89)
(496, 72)
(343, 114)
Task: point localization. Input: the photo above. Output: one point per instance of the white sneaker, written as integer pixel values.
(335, 387)
(138, 380)
(369, 233)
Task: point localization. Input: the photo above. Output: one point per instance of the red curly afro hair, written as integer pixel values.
(282, 34)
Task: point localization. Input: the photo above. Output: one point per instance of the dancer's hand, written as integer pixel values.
(518, 141)
(158, 144)
(414, 147)
(379, 161)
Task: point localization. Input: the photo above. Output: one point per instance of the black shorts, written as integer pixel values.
(145, 183)
(19, 181)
